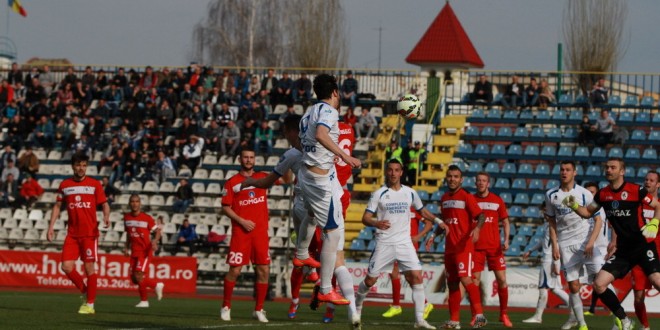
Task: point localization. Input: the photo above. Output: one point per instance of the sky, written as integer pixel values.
(508, 34)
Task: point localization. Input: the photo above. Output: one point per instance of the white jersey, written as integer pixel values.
(603, 237)
(315, 154)
(394, 206)
(291, 160)
(571, 228)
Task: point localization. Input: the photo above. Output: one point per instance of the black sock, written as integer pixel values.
(612, 302)
(594, 300)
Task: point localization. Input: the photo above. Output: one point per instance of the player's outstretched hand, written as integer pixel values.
(525, 256)
(570, 202)
(248, 225)
(51, 234)
(650, 230)
(383, 225)
(429, 242)
(353, 162)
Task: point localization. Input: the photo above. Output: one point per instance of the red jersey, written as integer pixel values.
(250, 203)
(459, 209)
(346, 142)
(495, 211)
(138, 229)
(623, 209)
(80, 199)
(415, 218)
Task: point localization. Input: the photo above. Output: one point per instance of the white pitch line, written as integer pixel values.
(277, 325)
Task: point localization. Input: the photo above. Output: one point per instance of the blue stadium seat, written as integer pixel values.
(654, 135)
(593, 116)
(472, 131)
(565, 100)
(630, 172)
(519, 184)
(504, 131)
(538, 132)
(593, 170)
(650, 153)
(481, 149)
(433, 208)
(532, 150)
(656, 118)
(575, 115)
(647, 102)
(536, 184)
(494, 114)
(371, 246)
(366, 234)
(552, 183)
(632, 153)
(554, 132)
(525, 169)
(555, 169)
(477, 113)
(498, 98)
(358, 245)
(549, 151)
(469, 182)
(643, 116)
(582, 152)
(498, 149)
(515, 211)
(638, 135)
(526, 114)
(509, 168)
(488, 131)
(602, 184)
(543, 115)
(521, 199)
(441, 247)
(565, 151)
(615, 100)
(513, 251)
(579, 169)
(631, 101)
(514, 149)
(461, 165)
(537, 199)
(535, 240)
(519, 240)
(436, 195)
(615, 152)
(521, 132)
(465, 148)
(493, 167)
(571, 133)
(475, 167)
(533, 212)
(559, 114)
(512, 229)
(525, 231)
(506, 197)
(598, 152)
(502, 183)
(581, 100)
(542, 169)
(641, 172)
(423, 195)
(510, 114)
(625, 116)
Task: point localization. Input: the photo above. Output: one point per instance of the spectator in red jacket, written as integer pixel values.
(30, 191)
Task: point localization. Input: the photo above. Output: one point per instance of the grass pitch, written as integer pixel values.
(49, 310)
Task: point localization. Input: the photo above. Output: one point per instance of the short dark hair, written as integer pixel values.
(247, 149)
(292, 122)
(618, 159)
(455, 168)
(394, 161)
(653, 172)
(79, 157)
(324, 85)
(135, 195)
(591, 184)
(566, 162)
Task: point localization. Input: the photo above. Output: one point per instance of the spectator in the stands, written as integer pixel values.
(9, 191)
(284, 89)
(183, 197)
(349, 90)
(225, 81)
(15, 74)
(31, 190)
(165, 114)
(17, 132)
(247, 135)
(599, 93)
(76, 128)
(546, 96)
(242, 82)
(224, 116)
(20, 93)
(34, 73)
(46, 79)
(120, 78)
(101, 80)
(165, 167)
(187, 237)
(149, 80)
(185, 97)
(111, 192)
(196, 77)
(302, 89)
(7, 154)
(233, 97)
(350, 117)
(199, 97)
(10, 169)
(35, 91)
(269, 84)
(192, 153)
(6, 93)
(414, 161)
(212, 136)
(70, 77)
(263, 98)
(61, 134)
(255, 85)
(231, 137)
(367, 122)
(65, 94)
(513, 94)
(214, 98)
(393, 151)
(184, 131)
(482, 93)
(604, 128)
(264, 138)
(531, 95)
(130, 168)
(114, 96)
(28, 162)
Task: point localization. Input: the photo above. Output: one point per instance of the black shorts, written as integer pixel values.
(643, 254)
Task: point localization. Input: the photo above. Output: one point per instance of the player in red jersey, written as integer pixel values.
(459, 210)
(489, 248)
(139, 227)
(80, 195)
(248, 210)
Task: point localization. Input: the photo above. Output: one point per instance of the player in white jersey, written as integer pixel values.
(549, 278)
(601, 245)
(319, 133)
(391, 204)
(570, 234)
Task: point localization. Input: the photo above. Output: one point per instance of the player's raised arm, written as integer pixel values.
(585, 212)
(264, 183)
(323, 137)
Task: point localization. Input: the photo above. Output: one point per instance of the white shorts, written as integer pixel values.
(546, 278)
(575, 263)
(384, 257)
(299, 213)
(323, 197)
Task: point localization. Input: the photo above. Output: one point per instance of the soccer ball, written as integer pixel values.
(409, 106)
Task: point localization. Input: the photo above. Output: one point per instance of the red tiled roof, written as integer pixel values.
(445, 41)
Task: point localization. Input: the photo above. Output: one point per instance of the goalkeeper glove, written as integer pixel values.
(650, 230)
(570, 202)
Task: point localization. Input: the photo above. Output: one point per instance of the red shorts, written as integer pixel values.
(494, 257)
(244, 249)
(140, 264)
(639, 280)
(458, 265)
(345, 202)
(83, 248)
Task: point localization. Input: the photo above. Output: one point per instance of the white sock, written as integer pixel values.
(363, 289)
(90, 305)
(345, 282)
(418, 299)
(540, 305)
(576, 305)
(561, 294)
(305, 235)
(328, 259)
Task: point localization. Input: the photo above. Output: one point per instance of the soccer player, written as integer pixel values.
(572, 238)
(391, 204)
(622, 202)
(80, 195)
(415, 235)
(640, 282)
(549, 278)
(459, 210)
(488, 247)
(602, 244)
(319, 133)
(248, 210)
(139, 227)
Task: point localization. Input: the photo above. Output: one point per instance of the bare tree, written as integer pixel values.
(266, 34)
(593, 33)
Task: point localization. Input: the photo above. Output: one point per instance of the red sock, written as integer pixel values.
(504, 299)
(296, 282)
(142, 289)
(91, 288)
(396, 292)
(227, 293)
(640, 311)
(77, 280)
(475, 298)
(149, 283)
(334, 281)
(454, 304)
(262, 290)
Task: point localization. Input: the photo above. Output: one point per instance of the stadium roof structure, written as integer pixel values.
(445, 45)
